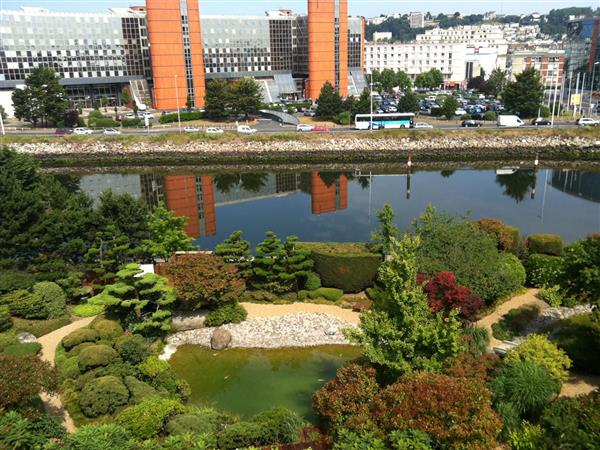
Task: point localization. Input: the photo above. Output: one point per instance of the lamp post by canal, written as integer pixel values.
(371, 123)
(177, 100)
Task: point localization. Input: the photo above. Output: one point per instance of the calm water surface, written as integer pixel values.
(342, 206)
(247, 381)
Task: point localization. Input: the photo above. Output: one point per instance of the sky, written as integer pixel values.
(367, 8)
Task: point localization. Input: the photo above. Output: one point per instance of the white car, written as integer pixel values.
(423, 125)
(111, 132)
(304, 127)
(587, 122)
(214, 130)
(82, 130)
(245, 129)
(191, 130)
(130, 115)
(460, 112)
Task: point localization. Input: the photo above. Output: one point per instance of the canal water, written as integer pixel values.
(342, 206)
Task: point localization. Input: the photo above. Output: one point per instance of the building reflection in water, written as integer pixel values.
(585, 185)
(327, 198)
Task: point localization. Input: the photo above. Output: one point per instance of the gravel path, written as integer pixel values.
(49, 342)
(264, 310)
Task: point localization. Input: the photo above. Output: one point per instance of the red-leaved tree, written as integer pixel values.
(444, 294)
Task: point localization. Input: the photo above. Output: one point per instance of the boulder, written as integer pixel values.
(26, 338)
(220, 339)
(188, 321)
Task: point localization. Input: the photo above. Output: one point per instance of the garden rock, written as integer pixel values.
(188, 321)
(26, 338)
(221, 338)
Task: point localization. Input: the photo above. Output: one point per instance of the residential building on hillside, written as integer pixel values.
(382, 36)
(416, 19)
(550, 64)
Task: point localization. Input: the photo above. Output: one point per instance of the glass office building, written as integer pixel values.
(582, 49)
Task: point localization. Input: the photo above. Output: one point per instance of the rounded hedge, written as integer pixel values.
(147, 419)
(510, 275)
(103, 396)
(349, 267)
(23, 303)
(53, 297)
(139, 390)
(107, 329)
(226, 313)
(132, 348)
(28, 349)
(87, 310)
(548, 244)
(96, 356)
(202, 421)
(331, 294)
(79, 336)
(242, 434)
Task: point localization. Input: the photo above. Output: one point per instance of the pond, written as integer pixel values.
(247, 381)
(318, 205)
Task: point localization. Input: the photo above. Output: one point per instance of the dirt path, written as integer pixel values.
(49, 342)
(262, 310)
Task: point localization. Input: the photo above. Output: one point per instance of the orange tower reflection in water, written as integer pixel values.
(326, 199)
(192, 197)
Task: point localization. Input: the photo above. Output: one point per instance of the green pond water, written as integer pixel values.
(247, 381)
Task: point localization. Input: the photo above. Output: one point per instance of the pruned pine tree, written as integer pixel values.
(297, 263)
(235, 250)
(268, 265)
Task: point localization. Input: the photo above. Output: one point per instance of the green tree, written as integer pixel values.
(437, 77)
(216, 99)
(524, 95)
(329, 102)
(363, 104)
(423, 80)
(403, 81)
(297, 263)
(3, 114)
(477, 83)
(42, 99)
(495, 83)
(268, 265)
(388, 80)
(409, 103)
(387, 230)
(109, 250)
(400, 333)
(245, 96)
(235, 250)
(23, 377)
(125, 97)
(190, 103)
(449, 107)
(142, 303)
(104, 102)
(167, 235)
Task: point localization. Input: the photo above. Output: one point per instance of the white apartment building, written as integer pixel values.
(417, 57)
(382, 36)
(416, 19)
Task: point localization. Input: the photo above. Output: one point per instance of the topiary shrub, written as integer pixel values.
(107, 329)
(527, 386)
(79, 336)
(139, 390)
(313, 282)
(25, 304)
(12, 280)
(53, 297)
(547, 244)
(205, 420)
(579, 337)
(543, 270)
(331, 294)
(158, 374)
(96, 356)
(87, 310)
(5, 318)
(70, 368)
(241, 435)
(103, 396)
(99, 437)
(349, 267)
(231, 312)
(75, 351)
(28, 349)
(280, 425)
(539, 350)
(132, 348)
(147, 419)
(510, 275)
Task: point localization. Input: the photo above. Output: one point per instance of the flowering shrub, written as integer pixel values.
(444, 294)
(508, 237)
(455, 411)
(469, 365)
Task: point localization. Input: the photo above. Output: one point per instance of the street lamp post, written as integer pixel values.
(177, 100)
(371, 123)
(592, 84)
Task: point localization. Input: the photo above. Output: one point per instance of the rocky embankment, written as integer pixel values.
(291, 330)
(347, 148)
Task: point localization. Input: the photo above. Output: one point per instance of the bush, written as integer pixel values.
(23, 378)
(12, 280)
(103, 123)
(139, 390)
(100, 437)
(87, 310)
(343, 118)
(547, 244)
(21, 433)
(477, 339)
(29, 349)
(543, 270)
(133, 349)
(131, 123)
(507, 237)
(231, 312)
(444, 294)
(331, 294)
(349, 267)
(572, 423)
(40, 327)
(53, 297)
(466, 117)
(107, 329)
(70, 368)
(345, 400)
(79, 336)
(539, 350)
(435, 404)
(510, 275)
(206, 420)
(527, 386)
(313, 282)
(5, 318)
(96, 356)
(147, 419)
(490, 116)
(582, 269)
(103, 396)
(75, 351)
(514, 322)
(527, 437)
(25, 304)
(159, 375)
(240, 435)
(280, 425)
(184, 117)
(579, 337)
(361, 440)
(552, 295)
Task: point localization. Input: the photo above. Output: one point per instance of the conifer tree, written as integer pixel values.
(297, 263)
(268, 265)
(166, 234)
(387, 230)
(108, 252)
(235, 250)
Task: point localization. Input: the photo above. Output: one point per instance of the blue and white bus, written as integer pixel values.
(388, 120)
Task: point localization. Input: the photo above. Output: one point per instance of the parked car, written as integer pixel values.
(460, 112)
(245, 129)
(422, 125)
(82, 130)
(509, 121)
(214, 130)
(320, 130)
(304, 127)
(470, 124)
(541, 122)
(63, 131)
(309, 113)
(587, 122)
(111, 132)
(191, 130)
(130, 115)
